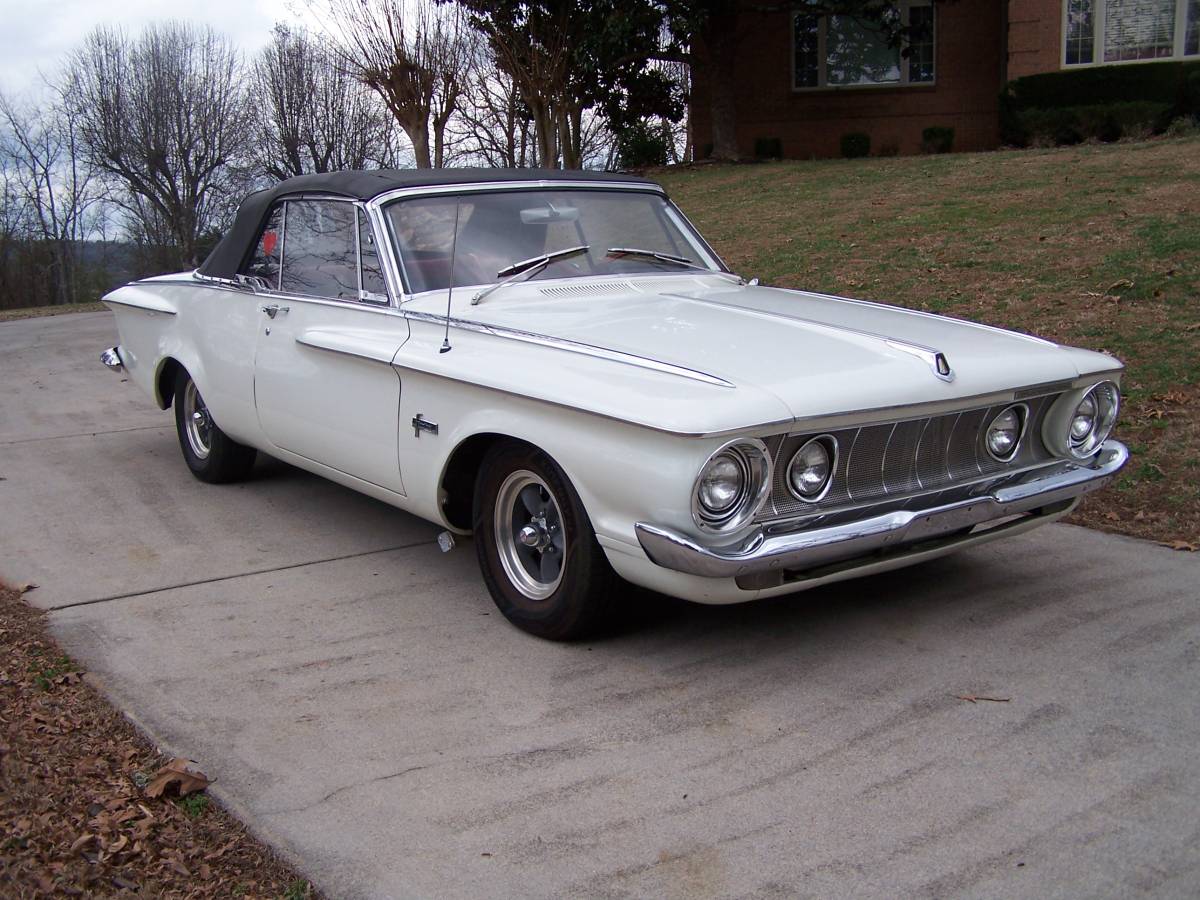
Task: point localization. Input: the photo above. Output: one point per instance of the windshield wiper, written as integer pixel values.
(527, 268)
(678, 260)
(655, 254)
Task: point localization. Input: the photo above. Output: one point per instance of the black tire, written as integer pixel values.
(209, 452)
(580, 602)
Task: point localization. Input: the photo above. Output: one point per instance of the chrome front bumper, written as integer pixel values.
(813, 547)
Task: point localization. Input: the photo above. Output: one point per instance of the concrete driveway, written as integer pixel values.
(364, 707)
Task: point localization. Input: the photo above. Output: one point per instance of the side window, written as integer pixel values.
(320, 254)
(372, 271)
(264, 263)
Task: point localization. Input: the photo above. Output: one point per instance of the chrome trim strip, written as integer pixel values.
(342, 352)
(570, 346)
(931, 356)
(820, 546)
(141, 306)
(928, 315)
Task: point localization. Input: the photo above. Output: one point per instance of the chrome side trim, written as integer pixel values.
(820, 546)
(144, 307)
(343, 352)
(112, 358)
(543, 340)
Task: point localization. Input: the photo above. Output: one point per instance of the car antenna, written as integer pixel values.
(445, 348)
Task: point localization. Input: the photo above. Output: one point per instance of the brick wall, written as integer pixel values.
(1034, 37)
(975, 56)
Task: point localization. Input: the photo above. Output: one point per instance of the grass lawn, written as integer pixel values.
(30, 312)
(1095, 246)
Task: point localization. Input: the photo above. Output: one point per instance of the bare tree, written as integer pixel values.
(311, 114)
(493, 124)
(50, 191)
(165, 117)
(414, 55)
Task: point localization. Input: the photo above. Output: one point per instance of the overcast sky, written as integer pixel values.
(35, 34)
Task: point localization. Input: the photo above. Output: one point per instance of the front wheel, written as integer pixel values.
(209, 452)
(536, 547)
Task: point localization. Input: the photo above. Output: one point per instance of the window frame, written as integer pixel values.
(1099, 17)
(363, 298)
(823, 55)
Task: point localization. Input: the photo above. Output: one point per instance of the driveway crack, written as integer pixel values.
(343, 789)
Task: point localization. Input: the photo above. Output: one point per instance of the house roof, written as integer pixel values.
(227, 257)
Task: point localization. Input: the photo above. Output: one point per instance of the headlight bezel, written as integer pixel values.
(829, 444)
(1057, 429)
(1022, 411)
(757, 465)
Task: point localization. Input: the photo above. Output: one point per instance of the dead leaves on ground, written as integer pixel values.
(179, 775)
(1186, 546)
(76, 814)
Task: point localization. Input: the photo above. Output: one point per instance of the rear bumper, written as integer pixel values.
(1046, 489)
(112, 358)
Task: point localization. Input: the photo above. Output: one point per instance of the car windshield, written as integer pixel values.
(497, 229)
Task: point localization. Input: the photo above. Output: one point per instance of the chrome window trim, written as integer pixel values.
(376, 204)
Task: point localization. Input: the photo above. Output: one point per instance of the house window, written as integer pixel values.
(851, 51)
(1117, 31)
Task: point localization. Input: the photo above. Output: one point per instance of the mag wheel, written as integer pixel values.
(210, 453)
(537, 550)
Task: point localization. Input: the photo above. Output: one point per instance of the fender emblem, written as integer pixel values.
(419, 424)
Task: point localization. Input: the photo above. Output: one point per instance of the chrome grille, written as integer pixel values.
(895, 462)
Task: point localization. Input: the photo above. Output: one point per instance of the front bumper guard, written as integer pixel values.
(815, 547)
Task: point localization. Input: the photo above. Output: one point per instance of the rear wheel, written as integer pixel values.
(211, 454)
(536, 547)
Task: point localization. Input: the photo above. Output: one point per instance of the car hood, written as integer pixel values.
(819, 355)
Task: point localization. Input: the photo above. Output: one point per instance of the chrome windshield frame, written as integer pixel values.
(398, 279)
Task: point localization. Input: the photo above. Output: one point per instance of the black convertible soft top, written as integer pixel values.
(227, 257)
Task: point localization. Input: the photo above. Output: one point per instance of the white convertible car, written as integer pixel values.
(558, 363)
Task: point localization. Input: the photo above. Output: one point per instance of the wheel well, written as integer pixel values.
(168, 373)
(458, 479)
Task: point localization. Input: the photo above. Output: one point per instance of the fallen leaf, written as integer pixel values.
(82, 841)
(975, 698)
(177, 774)
(1188, 546)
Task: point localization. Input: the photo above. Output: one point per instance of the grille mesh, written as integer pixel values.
(893, 462)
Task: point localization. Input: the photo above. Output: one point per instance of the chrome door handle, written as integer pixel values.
(274, 309)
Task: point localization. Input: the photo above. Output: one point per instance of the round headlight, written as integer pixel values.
(1093, 419)
(811, 469)
(732, 485)
(722, 483)
(1004, 433)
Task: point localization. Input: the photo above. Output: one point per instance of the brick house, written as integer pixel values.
(806, 81)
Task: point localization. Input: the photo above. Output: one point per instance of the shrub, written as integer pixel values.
(1184, 126)
(1068, 125)
(855, 144)
(639, 147)
(1104, 102)
(768, 148)
(937, 139)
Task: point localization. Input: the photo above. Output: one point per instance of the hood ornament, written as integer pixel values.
(935, 359)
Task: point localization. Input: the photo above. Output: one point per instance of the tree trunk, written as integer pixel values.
(721, 39)
(418, 133)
